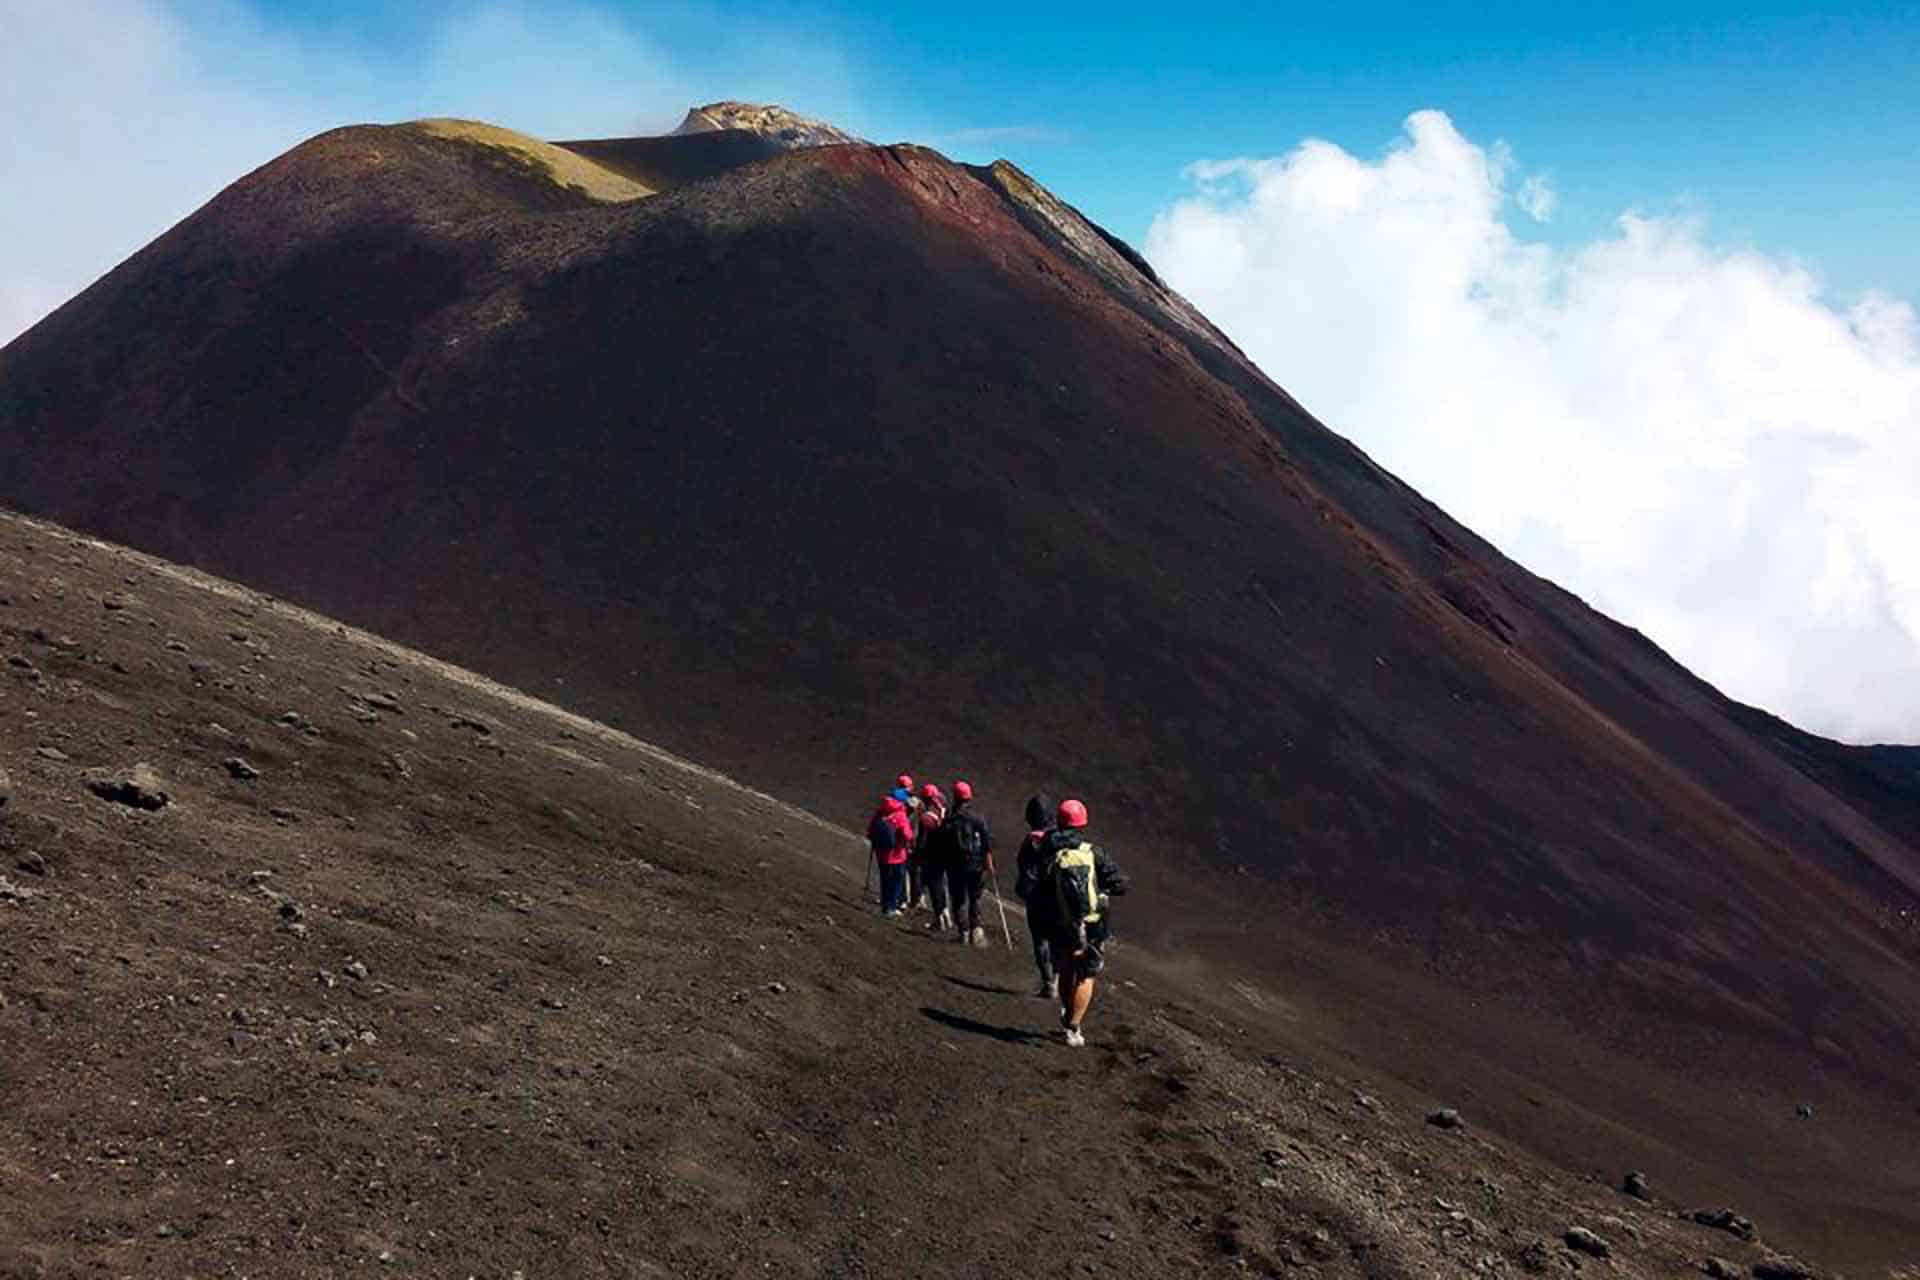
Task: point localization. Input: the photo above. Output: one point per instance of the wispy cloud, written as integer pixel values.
(995, 135)
(1695, 438)
(1537, 198)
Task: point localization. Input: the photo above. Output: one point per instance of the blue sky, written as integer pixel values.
(1628, 287)
(1791, 130)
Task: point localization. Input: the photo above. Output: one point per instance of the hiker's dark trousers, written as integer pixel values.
(935, 877)
(966, 886)
(893, 886)
(1042, 950)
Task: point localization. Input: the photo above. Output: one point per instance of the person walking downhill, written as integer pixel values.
(1027, 868)
(968, 848)
(933, 808)
(890, 835)
(1071, 898)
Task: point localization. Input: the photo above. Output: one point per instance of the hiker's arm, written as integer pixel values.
(1111, 878)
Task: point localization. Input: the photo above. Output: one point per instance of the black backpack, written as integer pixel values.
(966, 838)
(881, 834)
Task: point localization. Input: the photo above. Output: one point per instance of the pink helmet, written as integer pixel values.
(963, 790)
(904, 780)
(1072, 814)
(931, 791)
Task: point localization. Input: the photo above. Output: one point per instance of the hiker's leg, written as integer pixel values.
(1082, 997)
(1068, 977)
(1042, 952)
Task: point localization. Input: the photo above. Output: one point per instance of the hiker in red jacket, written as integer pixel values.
(923, 880)
(890, 835)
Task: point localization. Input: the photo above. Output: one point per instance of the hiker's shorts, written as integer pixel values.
(1066, 942)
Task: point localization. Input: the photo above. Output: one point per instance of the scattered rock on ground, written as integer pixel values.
(240, 768)
(139, 787)
(6, 789)
(1804, 1111)
(1584, 1241)
(54, 754)
(1635, 1185)
(1782, 1269)
(1725, 1220)
(1720, 1268)
(32, 863)
(11, 892)
(356, 970)
(1445, 1118)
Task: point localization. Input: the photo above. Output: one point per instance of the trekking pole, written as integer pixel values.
(1006, 932)
(867, 888)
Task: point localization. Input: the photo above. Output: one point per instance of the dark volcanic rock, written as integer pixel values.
(1582, 1240)
(1781, 1269)
(1725, 1220)
(1635, 1185)
(1719, 1268)
(240, 768)
(1445, 1118)
(6, 790)
(139, 787)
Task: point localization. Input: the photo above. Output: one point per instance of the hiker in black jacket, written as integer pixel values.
(1027, 868)
(1070, 900)
(966, 846)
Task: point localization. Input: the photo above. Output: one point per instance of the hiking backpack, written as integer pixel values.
(968, 838)
(1076, 887)
(882, 835)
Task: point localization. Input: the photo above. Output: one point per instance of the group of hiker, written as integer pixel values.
(936, 855)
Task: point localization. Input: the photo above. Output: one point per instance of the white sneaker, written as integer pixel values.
(1075, 1039)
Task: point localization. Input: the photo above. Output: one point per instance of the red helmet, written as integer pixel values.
(931, 791)
(963, 790)
(904, 780)
(1072, 814)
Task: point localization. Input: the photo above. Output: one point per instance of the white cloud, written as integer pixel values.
(1694, 438)
(1537, 198)
(123, 116)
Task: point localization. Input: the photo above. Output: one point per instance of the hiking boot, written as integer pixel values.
(1046, 988)
(1075, 1040)
(979, 935)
